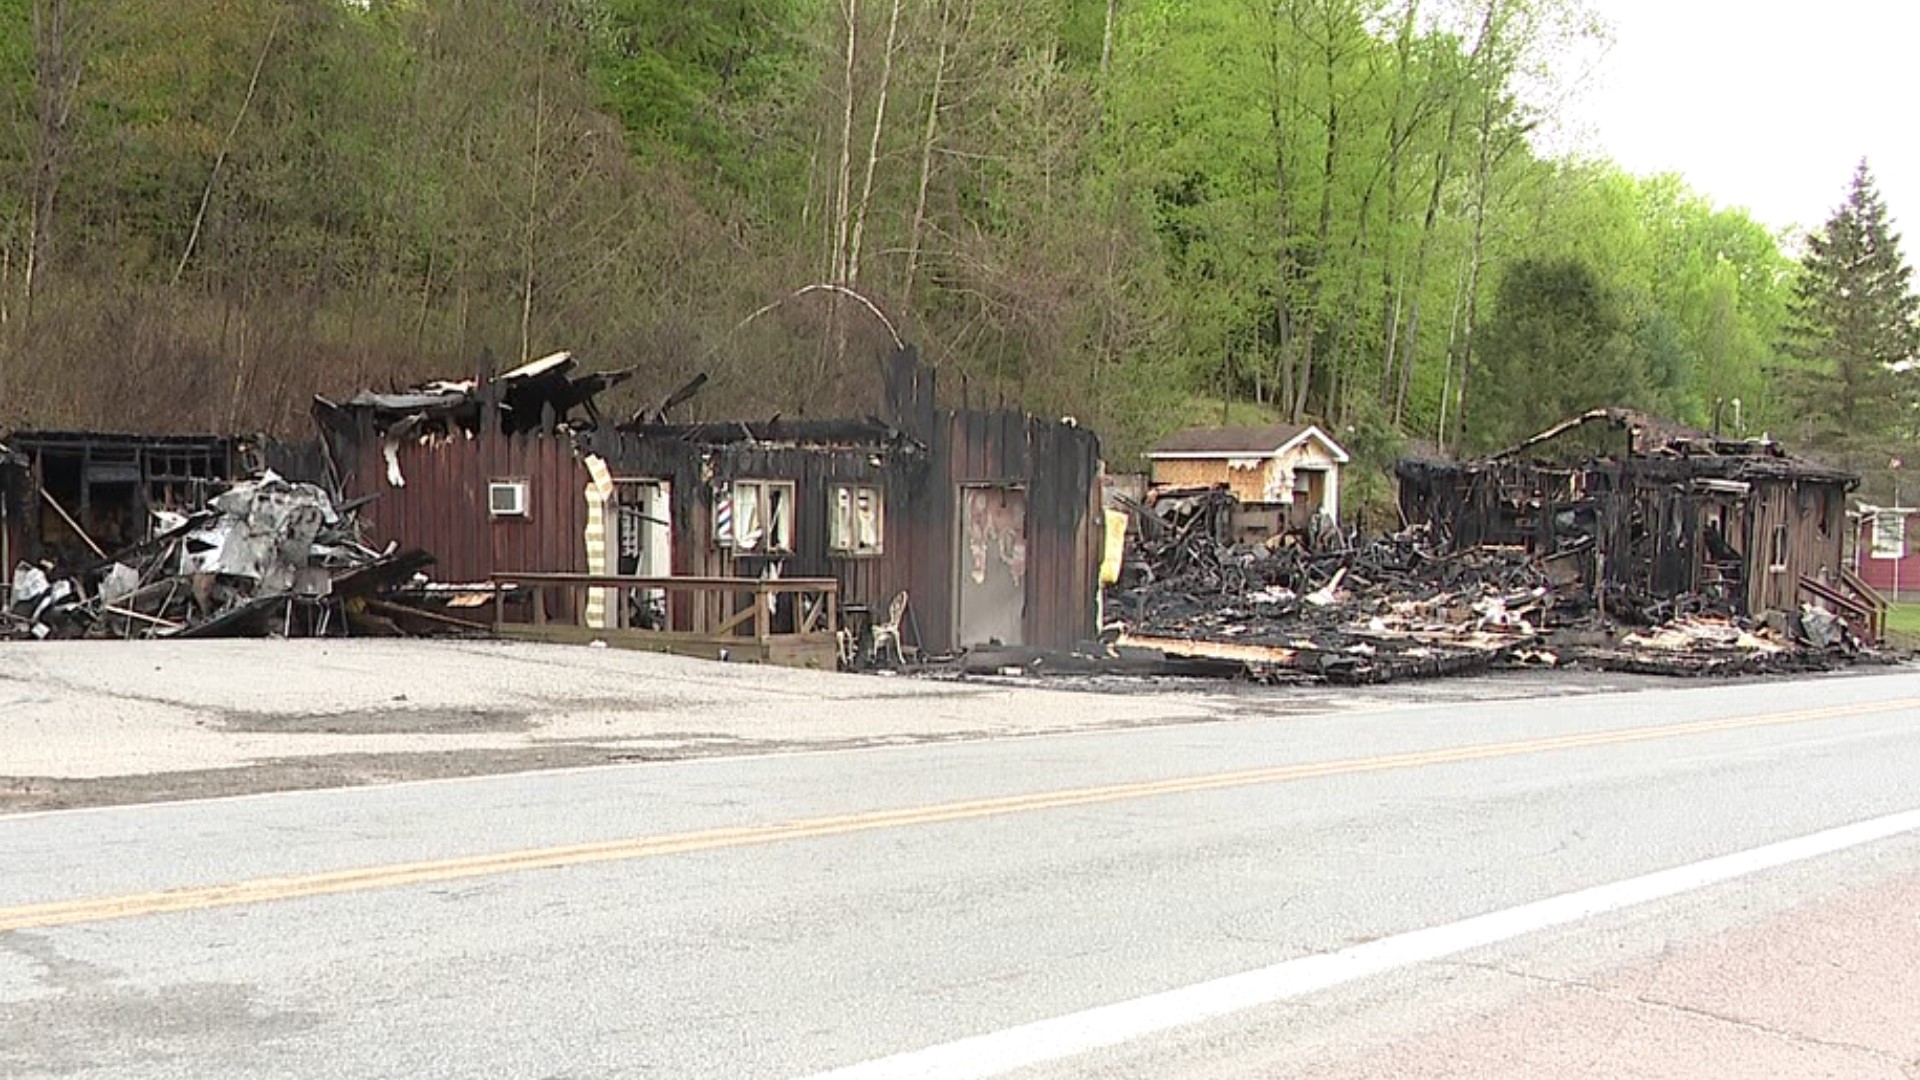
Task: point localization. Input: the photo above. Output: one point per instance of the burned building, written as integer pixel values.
(988, 521)
(1662, 515)
(71, 496)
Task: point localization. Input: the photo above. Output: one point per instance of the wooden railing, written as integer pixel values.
(1874, 601)
(1858, 602)
(816, 608)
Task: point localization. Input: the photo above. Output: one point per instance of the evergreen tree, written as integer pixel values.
(1853, 330)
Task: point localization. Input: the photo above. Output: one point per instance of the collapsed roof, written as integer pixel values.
(1660, 446)
(1265, 440)
(541, 395)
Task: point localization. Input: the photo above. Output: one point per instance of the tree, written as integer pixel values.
(1853, 328)
(1113, 209)
(1558, 342)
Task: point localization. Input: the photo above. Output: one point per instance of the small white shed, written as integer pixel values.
(1296, 466)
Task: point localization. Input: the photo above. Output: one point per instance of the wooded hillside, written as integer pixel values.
(1130, 211)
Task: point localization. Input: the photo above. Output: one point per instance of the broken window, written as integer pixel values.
(856, 519)
(179, 478)
(1777, 557)
(754, 516)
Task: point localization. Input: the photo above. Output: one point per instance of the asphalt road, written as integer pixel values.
(1638, 884)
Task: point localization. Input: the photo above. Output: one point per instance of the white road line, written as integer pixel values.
(1001, 1052)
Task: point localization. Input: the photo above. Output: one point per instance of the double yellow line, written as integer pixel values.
(261, 890)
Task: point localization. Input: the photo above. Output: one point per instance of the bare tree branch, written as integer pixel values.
(226, 146)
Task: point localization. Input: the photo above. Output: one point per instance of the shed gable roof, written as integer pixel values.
(1266, 440)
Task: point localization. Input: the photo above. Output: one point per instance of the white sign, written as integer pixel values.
(1889, 535)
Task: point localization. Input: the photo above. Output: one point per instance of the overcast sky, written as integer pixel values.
(1766, 104)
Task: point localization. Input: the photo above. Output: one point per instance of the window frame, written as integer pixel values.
(846, 545)
(764, 489)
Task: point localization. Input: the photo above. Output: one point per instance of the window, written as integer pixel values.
(1777, 557)
(857, 519)
(754, 516)
(507, 498)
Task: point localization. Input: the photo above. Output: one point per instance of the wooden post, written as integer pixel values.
(762, 618)
(1600, 583)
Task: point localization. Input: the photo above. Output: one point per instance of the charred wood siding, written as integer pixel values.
(1057, 465)
(694, 470)
(1811, 516)
(1065, 532)
(442, 507)
(1653, 523)
(921, 463)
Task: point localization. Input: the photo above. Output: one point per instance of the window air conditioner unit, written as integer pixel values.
(507, 498)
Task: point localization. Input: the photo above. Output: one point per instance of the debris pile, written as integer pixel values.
(540, 395)
(266, 556)
(1409, 605)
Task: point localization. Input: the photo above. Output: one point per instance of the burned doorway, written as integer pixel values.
(991, 592)
(643, 547)
(1309, 496)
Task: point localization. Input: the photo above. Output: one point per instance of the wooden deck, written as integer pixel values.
(746, 632)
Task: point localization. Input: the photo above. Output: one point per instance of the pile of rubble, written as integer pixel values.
(265, 557)
(539, 395)
(1341, 609)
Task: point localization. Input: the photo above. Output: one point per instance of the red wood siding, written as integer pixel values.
(1888, 576)
(443, 506)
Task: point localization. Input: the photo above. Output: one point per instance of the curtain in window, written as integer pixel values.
(748, 516)
(866, 534)
(842, 517)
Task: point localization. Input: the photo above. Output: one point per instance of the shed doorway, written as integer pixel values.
(991, 586)
(1309, 496)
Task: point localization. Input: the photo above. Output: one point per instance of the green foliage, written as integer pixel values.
(695, 79)
(1903, 625)
(1325, 209)
(1559, 343)
(1853, 330)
